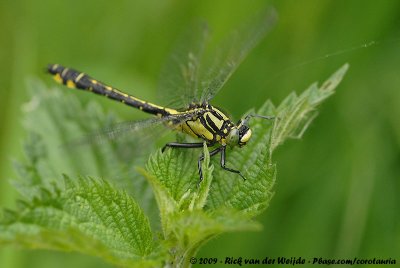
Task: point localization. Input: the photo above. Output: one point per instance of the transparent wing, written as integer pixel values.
(148, 127)
(190, 76)
(223, 61)
(179, 79)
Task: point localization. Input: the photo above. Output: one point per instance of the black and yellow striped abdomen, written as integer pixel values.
(75, 79)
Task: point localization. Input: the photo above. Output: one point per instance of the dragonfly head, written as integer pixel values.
(241, 134)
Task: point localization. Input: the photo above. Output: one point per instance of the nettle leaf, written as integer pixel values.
(87, 216)
(176, 170)
(63, 138)
(174, 175)
(293, 116)
(192, 229)
(297, 112)
(173, 184)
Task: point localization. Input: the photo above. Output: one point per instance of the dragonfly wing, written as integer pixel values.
(179, 79)
(190, 76)
(227, 57)
(153, 126)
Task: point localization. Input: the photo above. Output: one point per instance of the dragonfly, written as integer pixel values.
(194, 85)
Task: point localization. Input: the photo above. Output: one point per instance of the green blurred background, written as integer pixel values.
(338, 189)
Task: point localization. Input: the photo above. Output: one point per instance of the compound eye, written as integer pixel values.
(246, 136)
(233, 137)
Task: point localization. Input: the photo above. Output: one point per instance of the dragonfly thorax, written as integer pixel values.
(212, 125)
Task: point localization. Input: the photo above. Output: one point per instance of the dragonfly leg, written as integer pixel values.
(186, 145)
(201, 158)
(182, 145)
(226, 168)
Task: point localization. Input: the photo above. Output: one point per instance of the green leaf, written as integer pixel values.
(192, 229)
(87, 216)
(55, 120)
(173, 175)
(297, 112)
(293, 116)
(170, 175)
(177, 172)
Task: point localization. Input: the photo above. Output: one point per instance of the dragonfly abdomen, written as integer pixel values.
(78, 80)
